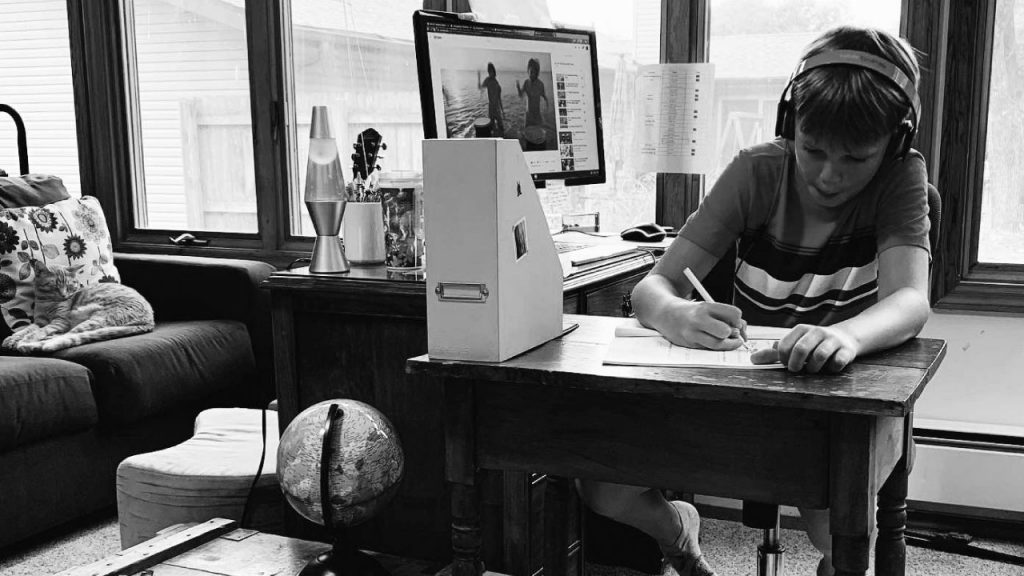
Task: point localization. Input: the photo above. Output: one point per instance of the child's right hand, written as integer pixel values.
(709, 325)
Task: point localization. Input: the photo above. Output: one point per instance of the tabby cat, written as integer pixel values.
(68, 314)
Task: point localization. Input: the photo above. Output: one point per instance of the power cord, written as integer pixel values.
(244, 522)
(299, 261)
(958, 543)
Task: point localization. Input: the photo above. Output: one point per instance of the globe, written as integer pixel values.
(365, 462)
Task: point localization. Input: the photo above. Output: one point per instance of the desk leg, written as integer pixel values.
(852, 504)
(466, 538)
(891, 548)
(517, 511)
(461, 473)
(557, 525)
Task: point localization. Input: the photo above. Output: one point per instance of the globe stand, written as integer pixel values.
(344, 559)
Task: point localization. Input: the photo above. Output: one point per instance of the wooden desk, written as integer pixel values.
(348, 336)
(771, 436)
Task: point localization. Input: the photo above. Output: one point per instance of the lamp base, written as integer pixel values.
(343, 560)
(328, 257)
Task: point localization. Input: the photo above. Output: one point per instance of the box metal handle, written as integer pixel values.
(461, 292)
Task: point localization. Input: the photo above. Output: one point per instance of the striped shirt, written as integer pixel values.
(799, 263)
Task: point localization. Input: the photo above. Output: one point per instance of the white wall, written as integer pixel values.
(980, 385)
(978, 388)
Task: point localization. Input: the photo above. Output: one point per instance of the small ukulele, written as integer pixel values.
(368, 146)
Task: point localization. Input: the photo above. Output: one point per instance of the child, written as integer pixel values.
(533, 87)
(831, 222)
(494, 107)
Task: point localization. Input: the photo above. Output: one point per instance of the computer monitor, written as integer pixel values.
(547, 80)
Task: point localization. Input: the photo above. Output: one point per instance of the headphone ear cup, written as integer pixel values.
(784, 120)
(902, 139)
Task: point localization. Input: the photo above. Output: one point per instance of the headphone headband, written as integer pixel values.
(867, 61)
(905, 132)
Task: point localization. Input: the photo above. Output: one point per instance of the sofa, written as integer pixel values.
(68, 419)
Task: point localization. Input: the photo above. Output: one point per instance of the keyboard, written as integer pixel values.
(596, 253)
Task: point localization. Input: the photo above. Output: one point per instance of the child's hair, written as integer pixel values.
(532, 65)
(490, 69)
(850, 105)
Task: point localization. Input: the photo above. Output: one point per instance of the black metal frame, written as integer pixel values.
(19, 124)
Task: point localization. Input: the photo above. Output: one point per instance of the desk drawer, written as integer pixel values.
(607, 300)
(722, 449)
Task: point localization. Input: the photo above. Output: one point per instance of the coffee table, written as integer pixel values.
(219, 548)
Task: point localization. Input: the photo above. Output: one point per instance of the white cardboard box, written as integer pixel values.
(494, 282)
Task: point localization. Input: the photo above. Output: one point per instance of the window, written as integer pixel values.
(192, 84)
(357, 59)
(1001, 231)
(755, 45)
(364, 69)
(225, 87)
(35, 80)
(981, 264)
(199, 120)
(627, 37)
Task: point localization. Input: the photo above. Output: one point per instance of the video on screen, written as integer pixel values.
(501, 94)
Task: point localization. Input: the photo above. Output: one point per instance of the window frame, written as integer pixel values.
(686, 39)
(110, 147)
(961, 282)
(953, 143)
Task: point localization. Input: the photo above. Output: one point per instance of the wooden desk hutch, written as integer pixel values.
(349, 335)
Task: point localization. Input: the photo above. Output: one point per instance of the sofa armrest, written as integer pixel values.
(202, 288)
(195, 287)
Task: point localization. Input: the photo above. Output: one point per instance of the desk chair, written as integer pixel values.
(719, 283)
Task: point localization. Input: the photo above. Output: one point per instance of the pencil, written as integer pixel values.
(696, 284)
(707, 297)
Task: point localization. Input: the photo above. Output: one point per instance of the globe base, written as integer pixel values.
(343, 560)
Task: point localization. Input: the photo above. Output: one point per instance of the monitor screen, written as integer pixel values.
(535, 85)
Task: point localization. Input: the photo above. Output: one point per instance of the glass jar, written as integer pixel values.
(402, 196)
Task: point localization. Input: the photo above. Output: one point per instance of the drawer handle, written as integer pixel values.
(461, 292)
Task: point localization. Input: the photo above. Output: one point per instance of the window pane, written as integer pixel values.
(358, 59)
(364, 69)
(193, 87)
(1001, 237)
(628, 36)
(756, 44)
(35, 80)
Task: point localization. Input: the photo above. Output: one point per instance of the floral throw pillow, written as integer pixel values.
(71, 232)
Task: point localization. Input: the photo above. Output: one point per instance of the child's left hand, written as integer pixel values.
(811, 349)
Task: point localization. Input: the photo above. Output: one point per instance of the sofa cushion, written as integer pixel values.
(176, 364)
(41, 398)
(70, 232)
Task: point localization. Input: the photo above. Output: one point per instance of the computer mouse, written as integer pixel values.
(649, 232)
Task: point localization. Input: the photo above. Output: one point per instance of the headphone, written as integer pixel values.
(785, 120)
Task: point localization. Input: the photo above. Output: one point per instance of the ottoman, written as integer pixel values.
(207, 476)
